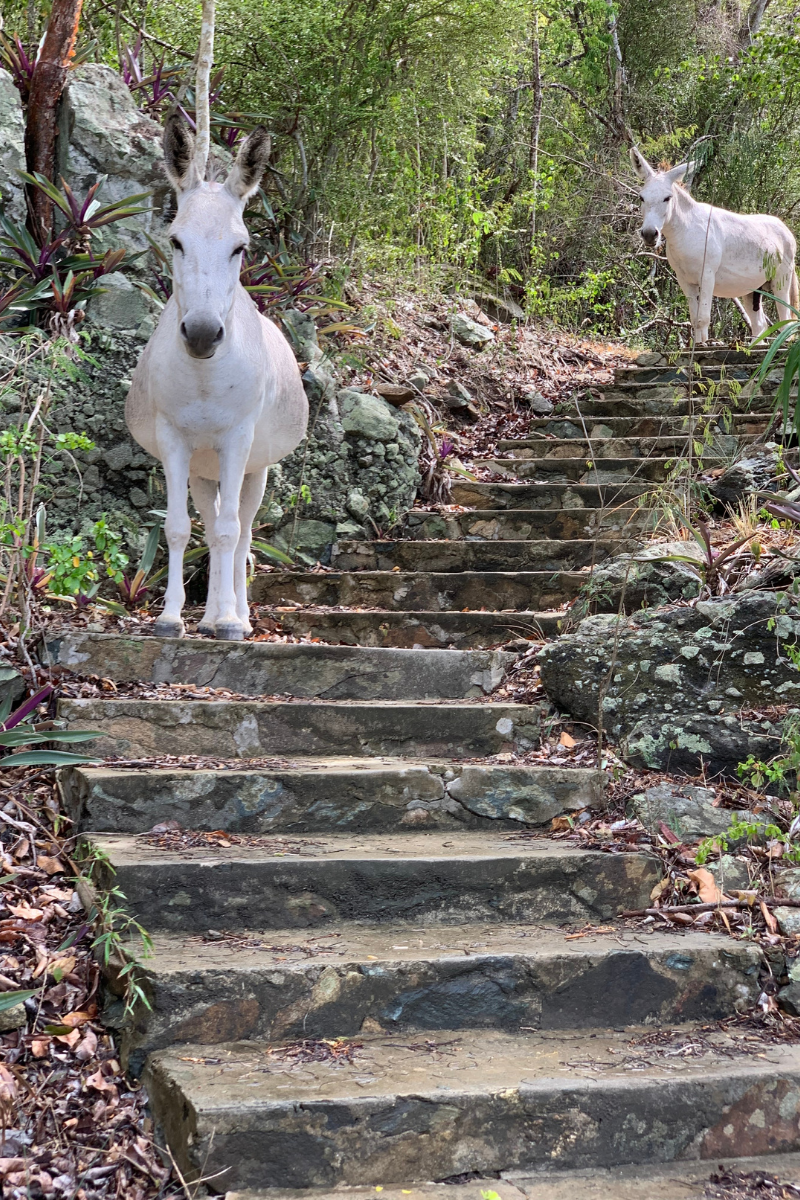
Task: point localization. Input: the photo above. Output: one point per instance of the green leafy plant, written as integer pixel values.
(780, 771)
(115, 929)
(16, 729)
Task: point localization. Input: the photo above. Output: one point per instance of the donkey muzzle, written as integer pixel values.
(649, 236)
(202, 334)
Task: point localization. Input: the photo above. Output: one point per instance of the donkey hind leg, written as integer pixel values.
(782, 291)
(752, 306)
(252, 494)
(174, 455)
(206, 501)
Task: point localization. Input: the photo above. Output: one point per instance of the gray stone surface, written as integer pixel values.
(788, 920)
(122, 306)
(331, 794)
(628, 582)
(13, 1018)
(730, 873)
(688, 811)
(679, 678)
(758, 472)
(12, 684)
(12, 150)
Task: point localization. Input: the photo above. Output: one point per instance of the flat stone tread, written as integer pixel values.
(342, 765)
(126, 850)
(255, 950)
(136, 707)
(664, 1181)
(250, 1076)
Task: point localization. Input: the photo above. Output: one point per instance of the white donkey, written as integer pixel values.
(217, 394)
(714, 252)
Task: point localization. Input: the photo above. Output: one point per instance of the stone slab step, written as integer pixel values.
(324, 795)
(415, 629)
(287, 984)
(416, 555)
(421, 591)
(740, 424)
(411, 878)
(432, 1107)
(269, 669)
(546, 496)
(664, 1181)
(253, 729)
(614, 470)
(655, 401)
(519, 524)
(721, 444)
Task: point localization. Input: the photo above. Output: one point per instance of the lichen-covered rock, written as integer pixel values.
(642, 580)
(688, 811)
(671, 681)
(470, 333)
(122, 306)
(757, 473)
(12, 150)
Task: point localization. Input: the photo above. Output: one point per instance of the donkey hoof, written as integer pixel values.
(168, 629)
(229, 631)
(206, 629)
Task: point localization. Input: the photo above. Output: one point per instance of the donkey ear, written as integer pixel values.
(640, 165)
(677, 173)
(179, 154)
(251, 162)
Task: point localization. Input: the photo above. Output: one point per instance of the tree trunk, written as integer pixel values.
(47, 84)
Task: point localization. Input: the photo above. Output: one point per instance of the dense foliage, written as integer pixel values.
(488, 136)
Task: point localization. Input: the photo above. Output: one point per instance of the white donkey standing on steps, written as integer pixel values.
(714, 252)
(217, 394)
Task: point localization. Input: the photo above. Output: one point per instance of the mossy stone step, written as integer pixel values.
(413, 879)
(324, 795)
(269, 669)
(427, 1108)
(547, 497)
(743, 425)
(291, 984)
(669, 445)
(417, 629)
(420, 591)
(581, 470)
(520, 524)
(478, 555)
(230, 729)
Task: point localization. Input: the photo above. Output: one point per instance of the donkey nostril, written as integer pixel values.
(184, 334)
(219, 335)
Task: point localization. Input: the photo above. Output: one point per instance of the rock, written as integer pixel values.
(679, 677)
(357, 505)
(756, 474)
(121, 305)
(650, 358)
(106, 134)
(469, 332)
(320, 387)
(789, 924)
(788, 881)
(419, 379)
(688, 811)
(119, 457)
(395, 393)
(731, 874)
(367, 416)
(601, 431)
(789, 996)
(13, 1018)
(301, 329)
(457, 395)
(11, 685)
(642, 580)
(538, 403)
(499, 308)
(12, 150)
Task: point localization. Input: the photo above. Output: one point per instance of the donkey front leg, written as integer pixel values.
(175, 456)
(204, 494)
(253, 488)
(232, 462)
(705, 297)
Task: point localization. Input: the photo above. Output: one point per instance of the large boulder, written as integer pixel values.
(12, 150)
(756, 473)
(628, 582)
(673, 681)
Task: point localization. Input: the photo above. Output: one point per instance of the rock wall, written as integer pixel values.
(357, 470)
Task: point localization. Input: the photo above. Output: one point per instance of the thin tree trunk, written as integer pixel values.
(536, 126)
(47, 84)
(205, 58)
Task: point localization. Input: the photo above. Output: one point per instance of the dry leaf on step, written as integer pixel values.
(566, 740)
(706, 885)
(659, 889)
(51, 865)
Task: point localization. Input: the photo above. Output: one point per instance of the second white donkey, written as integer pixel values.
(217, 394)
(714, 252)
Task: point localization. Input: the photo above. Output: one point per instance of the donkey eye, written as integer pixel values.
(667, 199)
(176, 244)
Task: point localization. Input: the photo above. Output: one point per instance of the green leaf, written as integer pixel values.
(25, 736)
(150, 550)
(12, 999)
(272, 552)
(46, 758)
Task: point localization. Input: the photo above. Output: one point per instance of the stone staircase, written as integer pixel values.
(380, 928)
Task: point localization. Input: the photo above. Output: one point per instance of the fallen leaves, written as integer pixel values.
(706, 885)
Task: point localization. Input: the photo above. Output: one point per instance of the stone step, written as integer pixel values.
(580, 470)
(290, 984)
(743, 425)
(721, 444)
(392, 1109)
(520, 524)
(324, 795)
(662, 1181)
(439, 556)
(656, 401)
(271, 669)
(414, 879)
(422, 591)
(552, 496)
(415, 629)
(245, 729)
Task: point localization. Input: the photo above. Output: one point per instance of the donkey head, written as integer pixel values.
(208, 234)
(656, 194)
